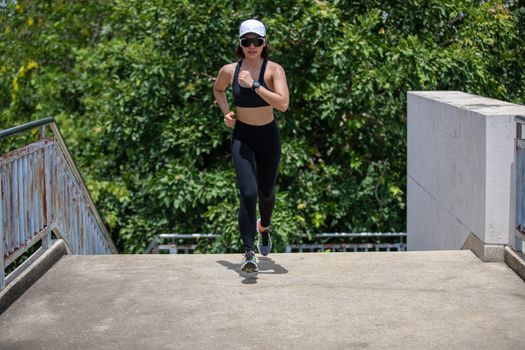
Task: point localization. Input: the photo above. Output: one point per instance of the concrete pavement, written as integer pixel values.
(384, 300)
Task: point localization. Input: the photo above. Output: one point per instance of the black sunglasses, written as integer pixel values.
(257, 42)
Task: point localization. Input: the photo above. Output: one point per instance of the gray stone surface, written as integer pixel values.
(410, 300)
(486, 252)
(516, 261)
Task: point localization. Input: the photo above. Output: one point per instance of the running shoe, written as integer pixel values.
(265, 241)
(249, 263)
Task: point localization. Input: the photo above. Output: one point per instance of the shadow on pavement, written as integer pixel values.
(266, 266)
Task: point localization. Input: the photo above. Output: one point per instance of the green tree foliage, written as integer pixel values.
(130, 83)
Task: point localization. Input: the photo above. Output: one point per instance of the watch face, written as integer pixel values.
(255, 85)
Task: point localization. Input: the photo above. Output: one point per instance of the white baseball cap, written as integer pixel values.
(252, 26)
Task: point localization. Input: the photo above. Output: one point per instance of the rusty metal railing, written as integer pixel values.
(42, 191)
(520, 185)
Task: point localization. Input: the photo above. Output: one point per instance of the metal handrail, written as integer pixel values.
(89, 205)
(519, 119)
(520, 183)
(25, 127)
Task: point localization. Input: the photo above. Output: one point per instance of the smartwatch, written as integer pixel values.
(255, 85)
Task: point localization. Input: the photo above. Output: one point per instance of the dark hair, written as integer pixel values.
(264, 54)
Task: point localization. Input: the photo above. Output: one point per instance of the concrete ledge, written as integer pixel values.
(486, 252)
(26, 279)
(516, 261)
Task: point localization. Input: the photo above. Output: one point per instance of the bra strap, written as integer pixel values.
(236, 75)
(263, 69)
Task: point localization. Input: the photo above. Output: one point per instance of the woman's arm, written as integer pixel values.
(279, 98)
(219, 91)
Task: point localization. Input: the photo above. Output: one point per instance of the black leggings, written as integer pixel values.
(256, 153)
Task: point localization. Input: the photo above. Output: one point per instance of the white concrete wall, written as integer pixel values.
(460, 169)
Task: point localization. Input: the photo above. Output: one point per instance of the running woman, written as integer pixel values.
(258, 86)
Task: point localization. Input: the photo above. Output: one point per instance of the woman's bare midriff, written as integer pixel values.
(255, 116)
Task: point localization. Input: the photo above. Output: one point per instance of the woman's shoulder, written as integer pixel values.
(229, 68)
(274, 66)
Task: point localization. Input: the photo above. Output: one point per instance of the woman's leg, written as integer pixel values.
(268, 158)
(244, 161)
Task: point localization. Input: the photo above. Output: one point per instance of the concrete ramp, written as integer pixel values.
(404, 300)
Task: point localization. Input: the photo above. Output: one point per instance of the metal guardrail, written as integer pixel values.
(173, 247)
(345, 247)
(520, 184)
(42, 191)
(351, 247)
(156, 247)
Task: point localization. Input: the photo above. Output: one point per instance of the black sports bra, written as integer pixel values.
(246, 97)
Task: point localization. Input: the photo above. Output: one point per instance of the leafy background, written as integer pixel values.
(130, 83)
